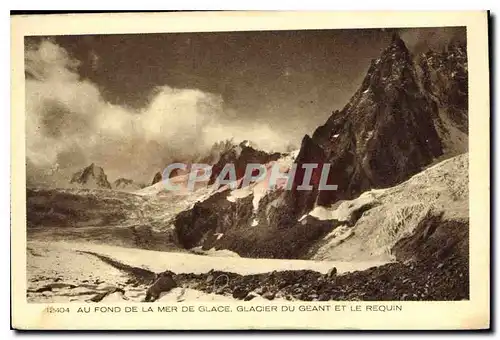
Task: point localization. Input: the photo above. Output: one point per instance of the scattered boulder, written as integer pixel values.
(163, 282)
(240, 293)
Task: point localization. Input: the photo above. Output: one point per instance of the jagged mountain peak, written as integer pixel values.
(384, 134)
(92, 176)
(157, 178)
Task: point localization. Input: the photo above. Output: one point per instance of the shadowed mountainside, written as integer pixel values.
(393, 127)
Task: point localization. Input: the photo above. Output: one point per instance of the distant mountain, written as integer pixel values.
(157, 178)
(402, 119)
(92, 176)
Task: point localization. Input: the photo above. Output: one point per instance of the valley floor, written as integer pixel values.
(72, 272)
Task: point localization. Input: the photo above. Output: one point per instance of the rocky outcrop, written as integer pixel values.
(271, 241)
(92, 176)
(125, 184)
(437, 197)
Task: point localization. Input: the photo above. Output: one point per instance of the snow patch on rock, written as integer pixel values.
(346, 209)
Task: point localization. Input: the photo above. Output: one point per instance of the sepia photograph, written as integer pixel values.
(243, 169)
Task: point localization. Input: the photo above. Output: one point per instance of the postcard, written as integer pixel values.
(250, 170)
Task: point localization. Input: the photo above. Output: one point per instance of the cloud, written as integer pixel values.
(69, 124)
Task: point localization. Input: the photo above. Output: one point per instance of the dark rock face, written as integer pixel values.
(432, 265)
(241, 155)
(444, 76)
(384, 134)
(214, 215)
(163, 283)
(331, 273)
(240, 293)
(47, 208)
(273, 241)
(389, 130)
(157, 178)
(216, 151)
(91, 176)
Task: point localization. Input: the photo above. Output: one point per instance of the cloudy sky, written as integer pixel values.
(134, 103)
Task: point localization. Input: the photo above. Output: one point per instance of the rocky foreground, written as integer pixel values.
(391, 282)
